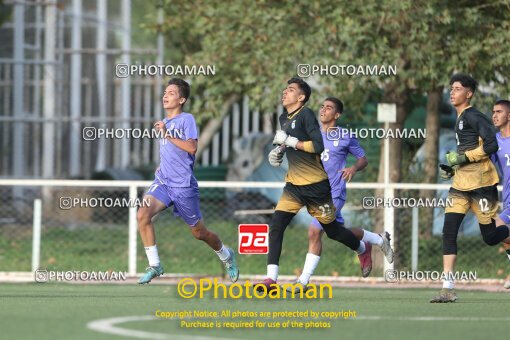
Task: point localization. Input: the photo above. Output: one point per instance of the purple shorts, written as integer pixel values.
(186, 201)
(505, 215)
(339, 204)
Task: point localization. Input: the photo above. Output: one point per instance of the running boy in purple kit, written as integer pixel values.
(337, 146)
(174, 183)
(501, 120)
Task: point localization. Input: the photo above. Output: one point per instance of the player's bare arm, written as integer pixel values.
(360, 164)
(190, 145)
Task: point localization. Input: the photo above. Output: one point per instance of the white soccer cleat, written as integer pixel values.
(507, 284)
(386, 246)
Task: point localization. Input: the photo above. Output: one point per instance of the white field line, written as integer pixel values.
(109, 326)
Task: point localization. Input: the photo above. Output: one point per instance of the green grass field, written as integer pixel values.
(105, 247)
(62, 311)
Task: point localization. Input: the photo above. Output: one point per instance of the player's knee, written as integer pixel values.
(275, 232)
(336, 231)
(451, 226)
(279, 223)
(314, 235)
(333, 231)
(449, 231)
(143, 217)
(199, 234)
(490, 240)
(492, 235)
(332, 234)
(449, 240)
(489, 236)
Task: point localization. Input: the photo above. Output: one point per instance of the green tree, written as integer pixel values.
(256, 46)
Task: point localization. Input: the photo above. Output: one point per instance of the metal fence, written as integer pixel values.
(58, 76)
(105, 237)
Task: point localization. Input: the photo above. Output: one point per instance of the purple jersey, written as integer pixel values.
(176, 165)
(334, 158)
(502, 159)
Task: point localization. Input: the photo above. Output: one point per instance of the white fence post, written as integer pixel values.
(414, 241)
(389, 194)
(387, 113)
(132, 231)
(36, 235)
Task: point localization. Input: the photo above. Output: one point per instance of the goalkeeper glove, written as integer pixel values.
(454, 158)
(275, 157)
(281, 138)
(446, 172)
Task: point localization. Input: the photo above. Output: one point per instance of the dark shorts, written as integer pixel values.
(339, 204)
(482, 201)
(186, 201)
(316, 197)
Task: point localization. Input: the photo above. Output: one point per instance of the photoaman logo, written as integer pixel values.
(253, 239)
(188, 288)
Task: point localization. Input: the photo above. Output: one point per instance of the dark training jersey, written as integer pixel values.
(476, 138)
(305, 167)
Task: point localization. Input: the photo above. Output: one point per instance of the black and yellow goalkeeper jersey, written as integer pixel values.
(305, 167)
(476, 138)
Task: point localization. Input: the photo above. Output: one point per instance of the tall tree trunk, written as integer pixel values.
(213, 125)
(431, 155)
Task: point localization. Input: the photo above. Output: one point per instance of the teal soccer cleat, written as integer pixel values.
(231, 266)
(150, 273)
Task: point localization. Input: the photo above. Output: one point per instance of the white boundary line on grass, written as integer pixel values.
(109, 326)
